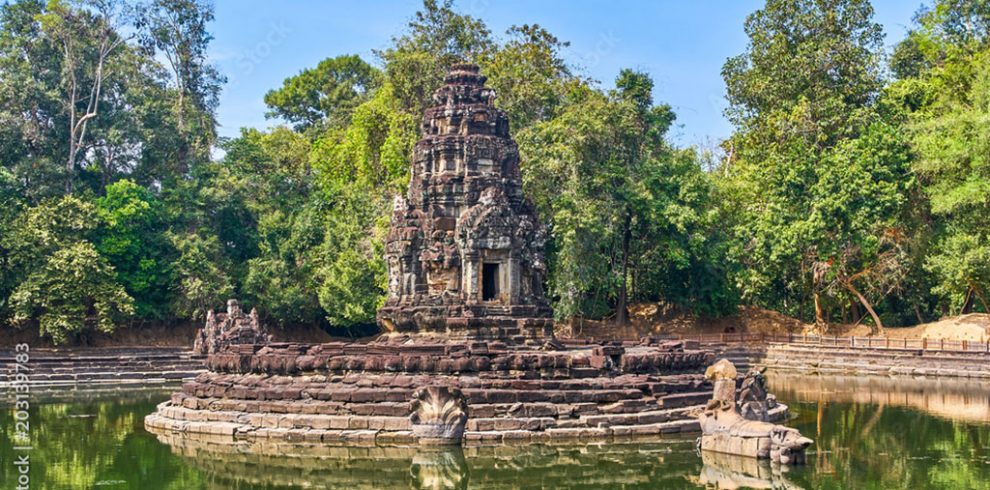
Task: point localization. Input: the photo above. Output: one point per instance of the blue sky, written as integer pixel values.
(682, 44)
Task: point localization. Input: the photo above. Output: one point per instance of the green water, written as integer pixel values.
(877, 433)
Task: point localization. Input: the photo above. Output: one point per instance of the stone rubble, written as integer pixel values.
(230, 328)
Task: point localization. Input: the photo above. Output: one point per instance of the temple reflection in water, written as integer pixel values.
(854, 419)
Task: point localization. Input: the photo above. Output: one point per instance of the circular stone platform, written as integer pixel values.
(377, 392)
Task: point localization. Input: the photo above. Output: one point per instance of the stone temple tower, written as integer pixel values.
(465, 253)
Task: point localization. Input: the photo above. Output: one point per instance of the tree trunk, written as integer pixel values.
(820, 322)
(983, 301)
(621, 308)
(878, 325)
(183, 153)
(967, 305)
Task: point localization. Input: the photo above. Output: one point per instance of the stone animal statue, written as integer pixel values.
(725, 430)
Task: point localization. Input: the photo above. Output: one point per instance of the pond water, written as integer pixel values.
(870, 433)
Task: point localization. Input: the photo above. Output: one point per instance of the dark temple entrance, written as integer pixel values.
(489, 282)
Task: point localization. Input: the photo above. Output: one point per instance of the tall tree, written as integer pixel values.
(614, 192)
(529, 75)
(944, 91)
(803, 97)
(324, 95)
(436, 37)
(89, 42)
(177, 30)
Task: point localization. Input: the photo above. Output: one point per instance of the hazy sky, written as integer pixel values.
(682, 44)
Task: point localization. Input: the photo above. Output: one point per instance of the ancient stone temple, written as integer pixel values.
(457, 364)
(465, 254)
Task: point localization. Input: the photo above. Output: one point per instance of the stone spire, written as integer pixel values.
(465, 253)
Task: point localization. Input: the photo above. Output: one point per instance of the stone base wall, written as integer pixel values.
(420, 355)
(825, 359)
(362, 391)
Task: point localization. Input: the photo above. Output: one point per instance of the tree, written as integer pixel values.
(822, 176)
(73, 289)
(529, 75)
(624, 209)
(130, 238)
(62, 282)
(357, 173)
(352, 278)
(202, 280)
(436, 38)
(952, 144)
(177, 29)
(277, 182)
(324, 95)
(89, 43)
(809, 66)
(30, 111)
(941, 95)
(10, 209)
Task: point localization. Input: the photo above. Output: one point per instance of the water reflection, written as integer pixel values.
(727, 471)
(891, 432)
(92, 439)
(870, 433)
(950, 398)
(659, 464)
(242, 464)
(439, 468)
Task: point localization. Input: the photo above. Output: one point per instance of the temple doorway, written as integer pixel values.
(489, 282)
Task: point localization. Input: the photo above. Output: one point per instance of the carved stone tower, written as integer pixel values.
(465, 253)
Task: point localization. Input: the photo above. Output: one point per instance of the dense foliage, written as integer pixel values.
(855, 187)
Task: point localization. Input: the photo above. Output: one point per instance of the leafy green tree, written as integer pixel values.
(810, 68)
(62, 282)
(625, 209)
(436, 38)
(357, 173)
(277, 180)
(823, 178)
(177, 31)
(203, 282)
(529, 75)
(324, 95)
(131, 240)
(353, 278)
(10, 209)
(73, 289)
(941, 94)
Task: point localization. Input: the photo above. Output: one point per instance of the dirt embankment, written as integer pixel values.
(655, 319)
(974, 327)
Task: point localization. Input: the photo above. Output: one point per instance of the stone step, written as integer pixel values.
(679, 400)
